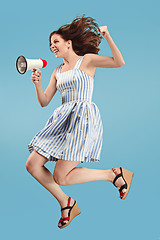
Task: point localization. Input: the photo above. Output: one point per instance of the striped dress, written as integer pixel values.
(74, 131)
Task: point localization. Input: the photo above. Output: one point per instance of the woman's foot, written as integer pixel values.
(122, 181)
(64, 213)
(119, 182)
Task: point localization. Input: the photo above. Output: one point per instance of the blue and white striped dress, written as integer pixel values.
(74, 131)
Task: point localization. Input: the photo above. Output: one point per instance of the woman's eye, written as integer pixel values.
(52, 42)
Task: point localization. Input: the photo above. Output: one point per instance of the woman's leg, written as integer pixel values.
(65, 173)
(35, 166)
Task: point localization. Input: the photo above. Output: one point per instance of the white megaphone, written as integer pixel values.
(23, 64)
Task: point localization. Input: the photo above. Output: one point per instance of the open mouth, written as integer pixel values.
(55, 52)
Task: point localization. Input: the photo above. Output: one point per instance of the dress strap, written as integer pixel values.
(58, 70)
(78, 64)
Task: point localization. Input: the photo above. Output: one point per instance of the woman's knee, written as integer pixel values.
(35, 160)
(61, 171)
(30, 165)
(59, 179)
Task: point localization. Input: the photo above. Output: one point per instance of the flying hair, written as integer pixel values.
(82, 31)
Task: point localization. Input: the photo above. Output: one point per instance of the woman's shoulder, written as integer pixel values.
(87, 62)
(88, 57)
(54, 73)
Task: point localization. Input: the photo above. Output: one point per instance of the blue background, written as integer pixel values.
(129, 103)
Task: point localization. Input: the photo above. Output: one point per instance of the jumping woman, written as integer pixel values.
(74, 132)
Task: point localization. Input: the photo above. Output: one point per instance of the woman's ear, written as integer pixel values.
(69, 43)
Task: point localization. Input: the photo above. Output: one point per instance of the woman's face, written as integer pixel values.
(59, 46)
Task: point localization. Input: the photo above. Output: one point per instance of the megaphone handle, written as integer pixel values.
(37, 70)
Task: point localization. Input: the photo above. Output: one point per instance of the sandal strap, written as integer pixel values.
(69, 199)
(68, 207)
(117, 176)
(122, 194)
(122, 187)
(64, 219)
(63, 223)
(68, 204)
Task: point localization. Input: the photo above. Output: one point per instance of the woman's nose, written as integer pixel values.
(52, 45)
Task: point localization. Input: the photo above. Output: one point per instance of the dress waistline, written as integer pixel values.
(64, 101)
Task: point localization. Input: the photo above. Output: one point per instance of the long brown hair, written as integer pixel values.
(84, 40)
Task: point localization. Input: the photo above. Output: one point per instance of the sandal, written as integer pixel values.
(72, 213)
(127, 177)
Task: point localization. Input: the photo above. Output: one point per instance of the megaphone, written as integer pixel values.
(23, 64)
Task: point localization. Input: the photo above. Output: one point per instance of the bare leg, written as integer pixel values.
(66, 173)
(82, 174)
(35, 166)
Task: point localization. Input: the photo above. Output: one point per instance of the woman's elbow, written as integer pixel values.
(121, 65)
(44, 104)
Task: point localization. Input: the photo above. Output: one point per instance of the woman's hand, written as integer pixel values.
(36, 76)
(103, 30)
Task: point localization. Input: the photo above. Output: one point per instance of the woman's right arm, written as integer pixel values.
(44, 98)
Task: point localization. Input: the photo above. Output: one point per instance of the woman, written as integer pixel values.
(73, 133)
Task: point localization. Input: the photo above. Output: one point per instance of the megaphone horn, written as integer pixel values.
(23, 64)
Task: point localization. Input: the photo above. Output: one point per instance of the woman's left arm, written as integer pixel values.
(95, 60)
(115, 51)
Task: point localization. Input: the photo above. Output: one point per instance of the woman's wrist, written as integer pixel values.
(38, 85)
(107, 35)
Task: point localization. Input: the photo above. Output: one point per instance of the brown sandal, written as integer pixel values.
(72, 213)
(127, 177)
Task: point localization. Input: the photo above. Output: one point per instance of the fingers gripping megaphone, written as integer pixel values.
(23, 64)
